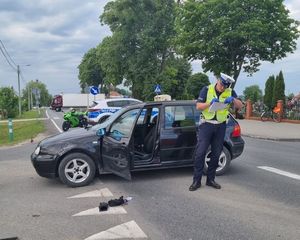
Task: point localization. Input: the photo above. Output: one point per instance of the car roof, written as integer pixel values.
(115, 99)
(166, 103)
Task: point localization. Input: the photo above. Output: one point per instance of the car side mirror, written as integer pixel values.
(101, 132)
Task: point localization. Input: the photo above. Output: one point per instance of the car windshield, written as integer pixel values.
(109, 120)
(94, 104)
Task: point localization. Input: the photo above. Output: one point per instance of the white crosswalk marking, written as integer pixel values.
(95, 211)
(126, 230)
(55, 118)
(104, 192)
(280, 172)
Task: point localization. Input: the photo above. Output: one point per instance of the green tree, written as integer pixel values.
(90, 70)
(45, 97)
(109, 55)
(8, 102)
(140, 46)
(232, 35)
(253, 93)
(174, 77)
(269, 88)
(123, 91)
(194, 84)
(279, 88)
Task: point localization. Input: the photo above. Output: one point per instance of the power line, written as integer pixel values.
(8, 53)
(3, 53)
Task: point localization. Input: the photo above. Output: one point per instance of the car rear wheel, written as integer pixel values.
(224, 161)
(77, 170)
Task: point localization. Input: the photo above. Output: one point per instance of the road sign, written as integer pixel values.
(157, 89)
(94, 90)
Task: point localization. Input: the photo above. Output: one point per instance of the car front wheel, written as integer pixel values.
(77, 170)
(65, 126)
(224, 161)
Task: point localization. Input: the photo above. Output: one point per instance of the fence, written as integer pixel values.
(288, 111)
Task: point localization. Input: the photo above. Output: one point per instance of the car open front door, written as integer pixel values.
(115, 146)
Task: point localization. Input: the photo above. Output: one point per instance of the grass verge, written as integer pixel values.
(32, 114)
(22, 131)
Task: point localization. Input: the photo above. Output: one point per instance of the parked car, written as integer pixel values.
(138, 137)
(100, 110)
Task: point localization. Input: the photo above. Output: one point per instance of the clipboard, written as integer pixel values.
(217, 106)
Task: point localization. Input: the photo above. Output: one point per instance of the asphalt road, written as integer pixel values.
(254, 203)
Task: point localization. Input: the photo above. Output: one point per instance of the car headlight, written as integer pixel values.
(37, 150)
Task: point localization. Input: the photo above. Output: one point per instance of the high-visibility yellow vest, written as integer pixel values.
(221, 114)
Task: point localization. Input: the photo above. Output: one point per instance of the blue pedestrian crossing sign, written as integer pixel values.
(94, 90)
(157, 89)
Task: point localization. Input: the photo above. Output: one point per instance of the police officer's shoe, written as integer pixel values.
(213, 184)
(194, 186)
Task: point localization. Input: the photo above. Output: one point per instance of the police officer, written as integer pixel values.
(212, 128)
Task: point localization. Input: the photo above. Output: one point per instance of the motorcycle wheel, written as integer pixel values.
(65, 126)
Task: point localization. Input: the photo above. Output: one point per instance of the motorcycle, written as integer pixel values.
(74, 119)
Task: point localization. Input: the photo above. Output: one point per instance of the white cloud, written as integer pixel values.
(52, 36)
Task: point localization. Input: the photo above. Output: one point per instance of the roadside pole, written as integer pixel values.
(10, 130)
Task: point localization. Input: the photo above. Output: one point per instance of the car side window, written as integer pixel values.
(131, 102)
(110, 103)
(179, 116)
(122, 127)
(197, 115)
(115, 103)
(141, 118)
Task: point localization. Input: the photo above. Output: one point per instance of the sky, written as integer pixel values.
(48, 38)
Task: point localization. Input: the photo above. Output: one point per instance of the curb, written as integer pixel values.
(272, 138)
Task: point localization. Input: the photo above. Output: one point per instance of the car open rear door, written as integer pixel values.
(115, 146)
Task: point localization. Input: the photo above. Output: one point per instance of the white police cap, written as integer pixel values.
(226, 80)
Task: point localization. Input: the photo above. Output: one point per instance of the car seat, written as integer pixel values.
(150, 137)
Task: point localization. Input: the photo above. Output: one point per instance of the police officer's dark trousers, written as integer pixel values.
(208, 134)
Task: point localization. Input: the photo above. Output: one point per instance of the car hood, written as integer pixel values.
(70, 136)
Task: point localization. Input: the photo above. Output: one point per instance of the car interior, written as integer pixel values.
(144, 134)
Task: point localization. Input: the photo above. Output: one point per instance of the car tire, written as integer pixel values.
(224, 161)
(65, 126)
(78, 163)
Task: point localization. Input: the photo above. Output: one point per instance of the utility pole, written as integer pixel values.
(20, 109)
(28, 93)
(31, 100)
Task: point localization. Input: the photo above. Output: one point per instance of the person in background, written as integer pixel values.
(212, 128)
(295, 99)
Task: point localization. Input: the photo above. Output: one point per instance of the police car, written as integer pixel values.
(100, 110)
